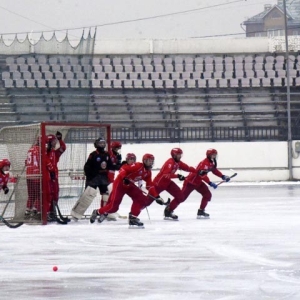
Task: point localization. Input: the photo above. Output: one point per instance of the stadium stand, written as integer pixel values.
(117, 68)
(158, 91)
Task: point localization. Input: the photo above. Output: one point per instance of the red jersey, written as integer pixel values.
(54, 155)
(168, 170)
(33, 165)
(137, 172)
(116, 164)
(3, 180)
(207, 166)
(33, 161)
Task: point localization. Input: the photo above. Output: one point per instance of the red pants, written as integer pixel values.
(34, 193)
(172, 189)
(187, 189)
(115, 198)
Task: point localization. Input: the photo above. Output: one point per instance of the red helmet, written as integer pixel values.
(131, 156)
(176, 151)
(116, 144)
(148, 161)
(50, 138)
(210, 152)
(148, 156)
(50, 141)
(3, 163)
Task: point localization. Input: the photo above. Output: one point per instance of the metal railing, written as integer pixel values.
(172, 135)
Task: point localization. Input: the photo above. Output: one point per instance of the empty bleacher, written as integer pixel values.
(157, 72)
(159, 91)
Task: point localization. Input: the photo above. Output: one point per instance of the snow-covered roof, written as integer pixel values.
(292, 7)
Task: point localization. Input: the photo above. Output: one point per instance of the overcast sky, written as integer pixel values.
(209, 18)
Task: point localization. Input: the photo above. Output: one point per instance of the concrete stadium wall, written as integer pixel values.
(139, 46)
(179, 46)
(253, 161)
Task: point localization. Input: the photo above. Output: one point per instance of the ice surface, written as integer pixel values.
(248, 249)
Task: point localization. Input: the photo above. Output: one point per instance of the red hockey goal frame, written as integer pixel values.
(15, 144)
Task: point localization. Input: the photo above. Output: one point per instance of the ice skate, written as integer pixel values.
(35, 216)
(27, 215)
(169, 215)
(202, 214)
(135, 222)
(102, 217)
(95, 215)
(51, 217)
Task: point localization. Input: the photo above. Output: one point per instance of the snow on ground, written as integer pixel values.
(248, 249)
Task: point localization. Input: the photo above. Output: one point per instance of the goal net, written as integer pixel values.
(15, 143)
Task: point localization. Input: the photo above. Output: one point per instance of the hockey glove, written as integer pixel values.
(58, 135)
(126, 181)
(159, 200)
(226, 178)
(180, 177)
(202, 172)
(213, 185)
(5, 190)
(52, 176)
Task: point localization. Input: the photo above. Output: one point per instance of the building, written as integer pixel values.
(270, 22)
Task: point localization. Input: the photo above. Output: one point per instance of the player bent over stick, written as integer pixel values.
(195, 182)
(163, 182)
(124, 184)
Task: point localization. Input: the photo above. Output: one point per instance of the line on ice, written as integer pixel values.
(238, 254)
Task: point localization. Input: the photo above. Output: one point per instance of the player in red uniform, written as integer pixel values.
(130, 159)
(125, 184)
(163, 182)
(54, 156)
(116, 159)
(33, 179)
(4, 175)
(195, 182)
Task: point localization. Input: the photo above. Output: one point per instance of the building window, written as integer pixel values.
(277, 32)
(260, 34)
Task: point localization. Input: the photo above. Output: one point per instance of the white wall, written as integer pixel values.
(253, 161)
(140, 46)
(181, 46)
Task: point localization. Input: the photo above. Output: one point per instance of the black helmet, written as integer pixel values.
(100, 143)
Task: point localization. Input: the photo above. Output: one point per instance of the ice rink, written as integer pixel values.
(248, 249)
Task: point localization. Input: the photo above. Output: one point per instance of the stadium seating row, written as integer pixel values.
(149, 75)
(193, 67)
(147, 83)
(156, 60)
(145, 72)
